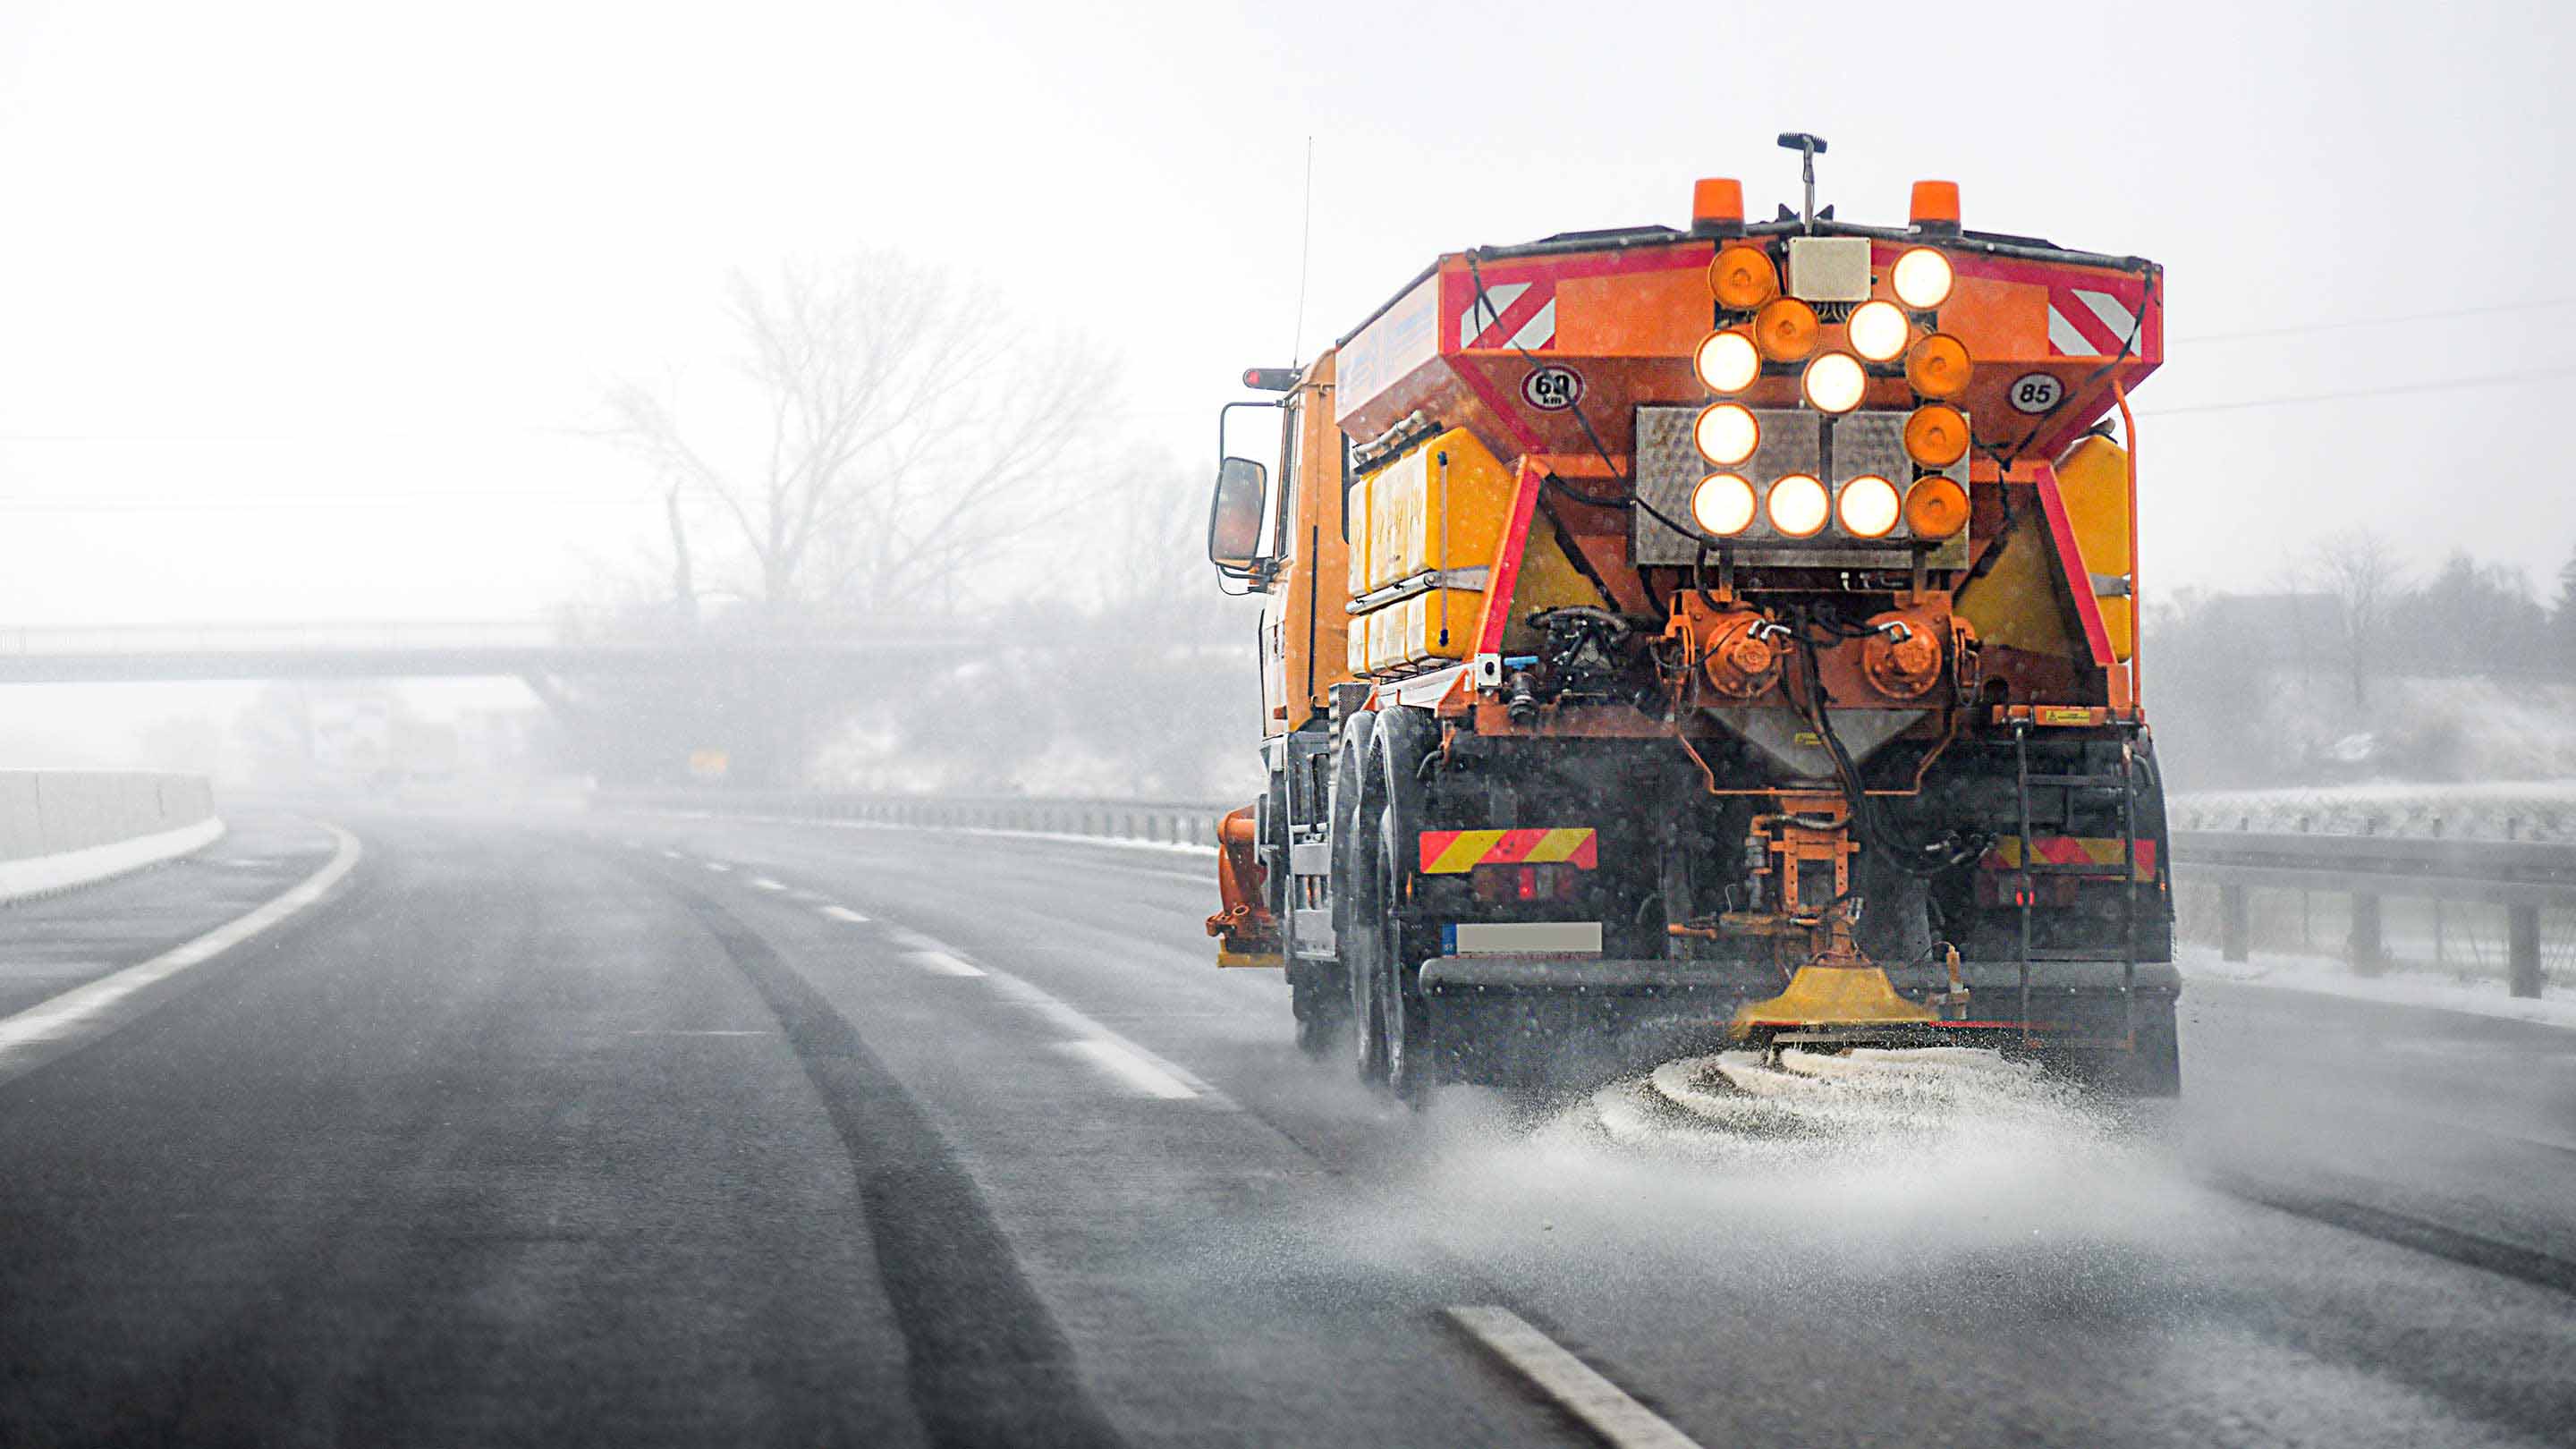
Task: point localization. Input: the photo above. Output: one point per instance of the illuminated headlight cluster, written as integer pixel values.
(1761, 324)
(1798, 505)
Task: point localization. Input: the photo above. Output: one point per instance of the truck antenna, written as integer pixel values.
(1809, 148)
(1305, 249)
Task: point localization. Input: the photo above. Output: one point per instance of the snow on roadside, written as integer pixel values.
(2486, 810)
(2329, 977)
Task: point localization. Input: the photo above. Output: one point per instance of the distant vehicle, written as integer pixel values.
(1723, 634)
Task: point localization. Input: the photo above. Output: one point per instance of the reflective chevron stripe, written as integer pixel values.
(1455, 852)
(2071, 850)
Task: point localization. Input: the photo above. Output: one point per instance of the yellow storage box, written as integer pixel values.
(1428, 628)
(2093, 479)
(1442, 506)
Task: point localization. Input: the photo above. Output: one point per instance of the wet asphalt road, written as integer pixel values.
(648, 1130)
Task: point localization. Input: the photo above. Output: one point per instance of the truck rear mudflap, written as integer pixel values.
(1534, 1020)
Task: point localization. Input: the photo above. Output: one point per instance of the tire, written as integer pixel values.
(1404, 1016)
(2154, 1069)
(1358, 796)
(1404, 737)
(1322, 1003)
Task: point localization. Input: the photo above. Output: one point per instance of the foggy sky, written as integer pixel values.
(296, 301)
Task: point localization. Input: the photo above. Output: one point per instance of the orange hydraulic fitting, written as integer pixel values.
(1741, 661)
(1903, 659)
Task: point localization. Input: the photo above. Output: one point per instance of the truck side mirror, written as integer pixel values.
(1235, 514)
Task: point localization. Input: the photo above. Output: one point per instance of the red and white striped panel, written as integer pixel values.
(2089, 322)
(1510, 314)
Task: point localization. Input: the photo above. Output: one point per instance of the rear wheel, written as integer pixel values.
(1322, 1003)
(1404, 739)
(1405, 1017)
(2152, 1068)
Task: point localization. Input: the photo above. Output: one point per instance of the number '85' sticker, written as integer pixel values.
(1552, 388)
(2035, 392)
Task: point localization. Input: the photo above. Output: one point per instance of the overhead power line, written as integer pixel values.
(2501, 379)
(2350, 323)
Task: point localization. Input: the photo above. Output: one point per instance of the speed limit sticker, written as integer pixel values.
(2035, 392)
(1552, 389)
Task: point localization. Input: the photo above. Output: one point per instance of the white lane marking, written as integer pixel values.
(941, 963)
(672, 855)
(1106, 1048)
(1130, 1067)
(718, 866)
(1620, 1420)
(676, 1032)
(1018, 992)
(764, 883)
(86, 1012)
(844, 913)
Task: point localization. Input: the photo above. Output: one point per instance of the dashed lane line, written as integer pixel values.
(941, 963)
(1576, 1386)
(75, 1018)
(718, 866)
(764, 883)
(1105, 1049)
(1129, 1067)
(1090, 1035)
(1120, 1058)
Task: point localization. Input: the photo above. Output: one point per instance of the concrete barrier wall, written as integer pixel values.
(56, 812)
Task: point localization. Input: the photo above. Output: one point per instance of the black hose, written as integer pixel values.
(1864, 811)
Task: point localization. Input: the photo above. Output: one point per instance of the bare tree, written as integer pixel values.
(895, 431)
(2361, 573)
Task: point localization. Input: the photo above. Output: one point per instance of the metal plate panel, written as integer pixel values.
(1829, 268)
(1512, 938)
(1669, 467)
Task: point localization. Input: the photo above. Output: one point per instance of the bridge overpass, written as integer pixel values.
(562, 648)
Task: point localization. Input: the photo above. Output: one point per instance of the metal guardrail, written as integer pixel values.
(2522, 878)
(561, 631)
(1172, 822)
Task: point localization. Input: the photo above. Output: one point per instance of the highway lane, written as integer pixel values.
(2137, 1254)
(50, 944)
(663, 1130)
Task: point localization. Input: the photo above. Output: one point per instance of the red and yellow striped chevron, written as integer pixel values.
(1455, 852)
(2071, 850)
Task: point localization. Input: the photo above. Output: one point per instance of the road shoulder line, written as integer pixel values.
(1577, 1387)
(65, 1023)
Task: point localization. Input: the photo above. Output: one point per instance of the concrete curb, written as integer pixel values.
(44, 875)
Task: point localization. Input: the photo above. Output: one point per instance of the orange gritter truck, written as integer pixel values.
(1681, 637)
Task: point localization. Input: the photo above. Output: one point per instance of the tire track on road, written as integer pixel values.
(988, 1364)
(2405, 1231)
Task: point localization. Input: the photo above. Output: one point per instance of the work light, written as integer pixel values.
(1726, 433)
(1938, 366)
(1936, 436)
(1727, 362)
(1868, 507)
(1879, 331)
(1834, 382)
(1722, 504)
(1922, 279)
(1799, 505)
